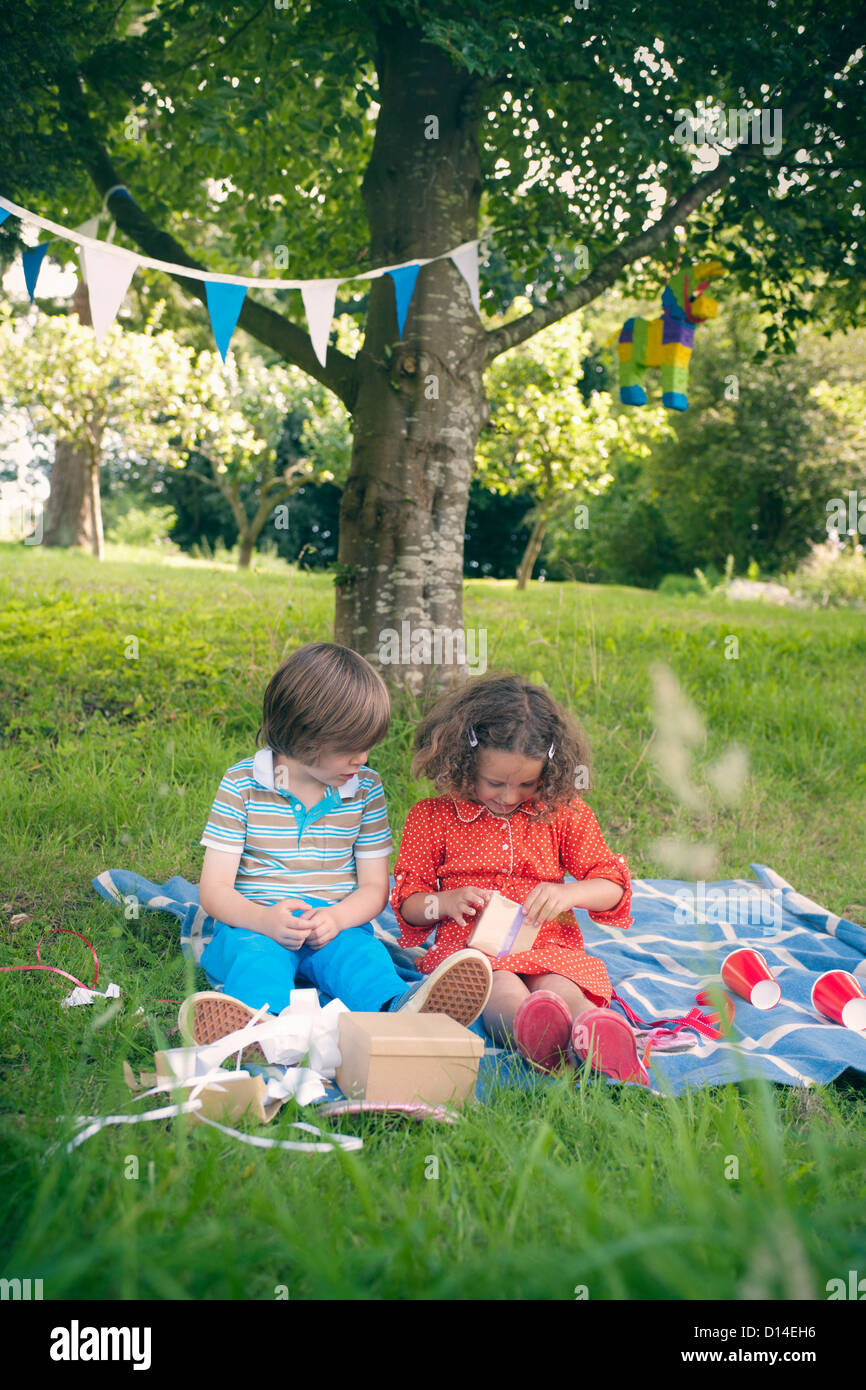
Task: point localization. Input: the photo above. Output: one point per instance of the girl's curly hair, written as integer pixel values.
(507, 713)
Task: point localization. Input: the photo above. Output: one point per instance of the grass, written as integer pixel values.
(126, 689)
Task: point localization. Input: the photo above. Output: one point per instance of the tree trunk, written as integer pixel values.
(73, 511)
(532, 551)
(95, 498)
(68, 516)
(420, 403)
(271, 496)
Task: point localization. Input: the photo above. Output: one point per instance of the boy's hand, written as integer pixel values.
(323, 926)
(289, 931)
(463, 904)
(546, 901)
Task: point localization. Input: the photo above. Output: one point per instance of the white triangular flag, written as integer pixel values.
(91, 228)
(107, 276)
(319, 298)
(466, 261)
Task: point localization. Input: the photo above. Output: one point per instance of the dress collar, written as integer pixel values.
(471, 810)
(263, 772)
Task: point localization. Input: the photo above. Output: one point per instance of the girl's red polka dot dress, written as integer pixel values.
(451, 844)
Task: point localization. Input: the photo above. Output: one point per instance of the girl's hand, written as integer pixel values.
(546, 901)
(289, 931)
(463, 903)
(323, 926)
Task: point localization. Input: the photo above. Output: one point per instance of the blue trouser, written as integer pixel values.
(353, 967)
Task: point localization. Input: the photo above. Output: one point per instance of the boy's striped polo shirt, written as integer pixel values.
(288, 850)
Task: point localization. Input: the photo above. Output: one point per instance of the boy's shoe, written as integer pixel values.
(610, 1044)
(205, 1017)
(542, 1030)
(459, 987)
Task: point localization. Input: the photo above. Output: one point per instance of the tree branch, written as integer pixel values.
(288, 490)
(212, 53)
(202, 477)
(232, 496)
(848, 39)
(298, 474)
(262, 323)
(610, 267)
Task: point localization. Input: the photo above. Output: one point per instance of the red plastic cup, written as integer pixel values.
(748, 974)
(839, 997)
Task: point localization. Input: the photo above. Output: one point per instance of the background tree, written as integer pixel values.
(125, 396)
(548, 440)
(310, 127)
(746, 471)
(73, 510)
(261, 433)
(143, 401)
(749, 471)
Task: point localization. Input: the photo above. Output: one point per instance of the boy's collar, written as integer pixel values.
(263, 773)
(471, 810)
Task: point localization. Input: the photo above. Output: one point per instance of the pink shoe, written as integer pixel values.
(610, 1043)
(542, 1029)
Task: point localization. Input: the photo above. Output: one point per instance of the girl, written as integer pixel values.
(296, 860)
(505, 759)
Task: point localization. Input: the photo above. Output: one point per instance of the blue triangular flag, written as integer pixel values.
(4, 213)
(224, 305)
(404, 278)
(32, 262)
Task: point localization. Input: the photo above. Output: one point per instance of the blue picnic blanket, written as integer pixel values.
(680, 937)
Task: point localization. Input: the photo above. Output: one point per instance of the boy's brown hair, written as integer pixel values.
(324, 696)
(507, 713)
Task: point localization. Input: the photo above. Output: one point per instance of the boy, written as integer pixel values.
(296, 860)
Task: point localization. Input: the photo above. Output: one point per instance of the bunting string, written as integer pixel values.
(108, 271)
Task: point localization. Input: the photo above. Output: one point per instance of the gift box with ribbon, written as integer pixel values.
(502, 929)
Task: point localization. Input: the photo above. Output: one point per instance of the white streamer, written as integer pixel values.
(347, 1142)
(94, 1123)
(327, 1143)
(82, 995)
(284, 1040)
(303, 1028)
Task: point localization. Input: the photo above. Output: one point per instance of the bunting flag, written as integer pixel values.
(90, 228)
(404, 277)
(319, 297)
(107, 277)
(224, 305)
(32, 262)
(466, 261)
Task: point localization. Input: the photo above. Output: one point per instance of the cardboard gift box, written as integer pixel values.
(227, 1098)
(407, 1057)
(501, 929)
